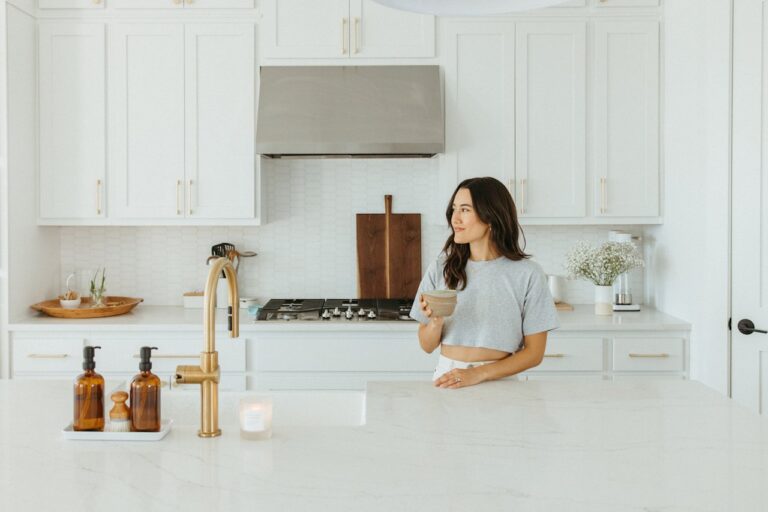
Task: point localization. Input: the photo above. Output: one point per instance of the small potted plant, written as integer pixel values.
(70, 299)
(602, 265)
(98, 290)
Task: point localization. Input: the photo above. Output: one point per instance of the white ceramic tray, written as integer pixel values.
(165, 427)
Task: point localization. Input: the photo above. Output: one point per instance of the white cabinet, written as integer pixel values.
(550, 91)
(344, 28)
(626, 3)
(71, 4)
(182, 110)
(146, 77)
(72, 120)
(182, 4)
(480, 103)
(640, 354)
(220, 121)
(531, 104)
(626, 119)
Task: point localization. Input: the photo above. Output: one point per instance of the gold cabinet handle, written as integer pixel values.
(47, 356)
(176, 2)
(171, 356)
(649, 355)
(523, 183)
(554, 355)
(602, 195)
(357, 35)
(344, 34)
(97, 2)
(178, 188)
(189, 206)
(98, 197)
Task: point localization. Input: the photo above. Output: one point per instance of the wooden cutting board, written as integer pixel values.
(388, 254)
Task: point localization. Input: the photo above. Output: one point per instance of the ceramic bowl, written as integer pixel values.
(441, 302)
(70, 304)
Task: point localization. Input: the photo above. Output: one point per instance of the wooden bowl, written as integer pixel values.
(114, 306)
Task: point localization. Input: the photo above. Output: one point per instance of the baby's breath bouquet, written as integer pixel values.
(602, 265)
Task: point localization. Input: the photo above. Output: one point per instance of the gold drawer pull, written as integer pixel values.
(554, 355)
(47, 356)
(171, 356)
(648, 355)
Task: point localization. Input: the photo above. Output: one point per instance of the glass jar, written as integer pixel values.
(621, 291)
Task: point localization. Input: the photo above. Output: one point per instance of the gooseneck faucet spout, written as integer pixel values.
(208, 373)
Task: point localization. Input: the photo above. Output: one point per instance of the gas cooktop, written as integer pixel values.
(337, 310)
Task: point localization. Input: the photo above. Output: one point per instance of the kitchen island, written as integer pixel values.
(567, 445)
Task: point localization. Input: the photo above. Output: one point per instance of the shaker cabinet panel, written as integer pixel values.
(297, 28)
(71, 4)
(380, 31)
(626, 3)
(72, 119)
(480, 103)
(626, 119)
(146, 73)
(220, 117)
(147, 4)
(551, 119)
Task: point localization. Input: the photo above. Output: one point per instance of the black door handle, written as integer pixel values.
(747, 327)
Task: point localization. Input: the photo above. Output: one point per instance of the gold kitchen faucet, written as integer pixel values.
(208, 373)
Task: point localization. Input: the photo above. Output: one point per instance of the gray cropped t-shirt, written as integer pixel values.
(503, 301)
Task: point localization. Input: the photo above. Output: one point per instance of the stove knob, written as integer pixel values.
(349, 314)
(336, 312)
(361, 313)
(371, 315)
(326, 314)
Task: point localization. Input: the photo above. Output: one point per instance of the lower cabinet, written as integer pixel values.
(59, 356)
(335, 360)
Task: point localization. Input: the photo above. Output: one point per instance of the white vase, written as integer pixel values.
(603, 300)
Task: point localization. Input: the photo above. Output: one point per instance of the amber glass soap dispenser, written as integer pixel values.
(145, 396)
(89, 396)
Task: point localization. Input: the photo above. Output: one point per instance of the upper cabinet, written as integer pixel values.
(568, 122)
(551, 119)
(344, 29)
(71, 4)
(72, 113)
(626, 119)
(182, 116)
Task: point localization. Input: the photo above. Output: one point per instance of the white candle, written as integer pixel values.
(256, 417)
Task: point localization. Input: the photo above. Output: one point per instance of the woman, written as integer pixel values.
(504, 308)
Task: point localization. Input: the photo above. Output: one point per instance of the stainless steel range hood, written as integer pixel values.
(350, 111)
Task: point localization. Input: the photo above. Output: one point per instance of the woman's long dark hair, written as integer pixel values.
(494, 206)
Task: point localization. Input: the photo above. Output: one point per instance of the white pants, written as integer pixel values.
(446, 364)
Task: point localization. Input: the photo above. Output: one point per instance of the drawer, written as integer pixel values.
(648, 354)
(51, 354)
(572, 354)
(121, 353)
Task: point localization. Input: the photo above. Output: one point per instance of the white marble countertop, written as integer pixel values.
(596, 446)
(176, 318)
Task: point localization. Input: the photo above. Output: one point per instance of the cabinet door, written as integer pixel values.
(147, 4)
(220, 88)
(551, 123)
(219, 4)
(72, 120)
(146, 76)
(71, 4)
(380, 31)
(626, 119)
(297, 28)
(480, 103)
(626, 3)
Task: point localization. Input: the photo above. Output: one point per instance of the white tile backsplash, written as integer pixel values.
(307, 246)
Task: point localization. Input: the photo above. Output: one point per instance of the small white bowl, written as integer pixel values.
(70, 304)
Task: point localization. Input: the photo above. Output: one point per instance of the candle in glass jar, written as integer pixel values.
(256, 417)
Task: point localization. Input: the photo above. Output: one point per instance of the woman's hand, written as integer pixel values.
(458, 378)
(427, 312)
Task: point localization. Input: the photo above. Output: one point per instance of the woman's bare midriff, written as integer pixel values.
(471, 354)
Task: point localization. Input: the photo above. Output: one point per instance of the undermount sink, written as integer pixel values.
(304, 408)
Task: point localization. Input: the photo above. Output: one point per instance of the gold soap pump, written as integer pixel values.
(208, 373)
